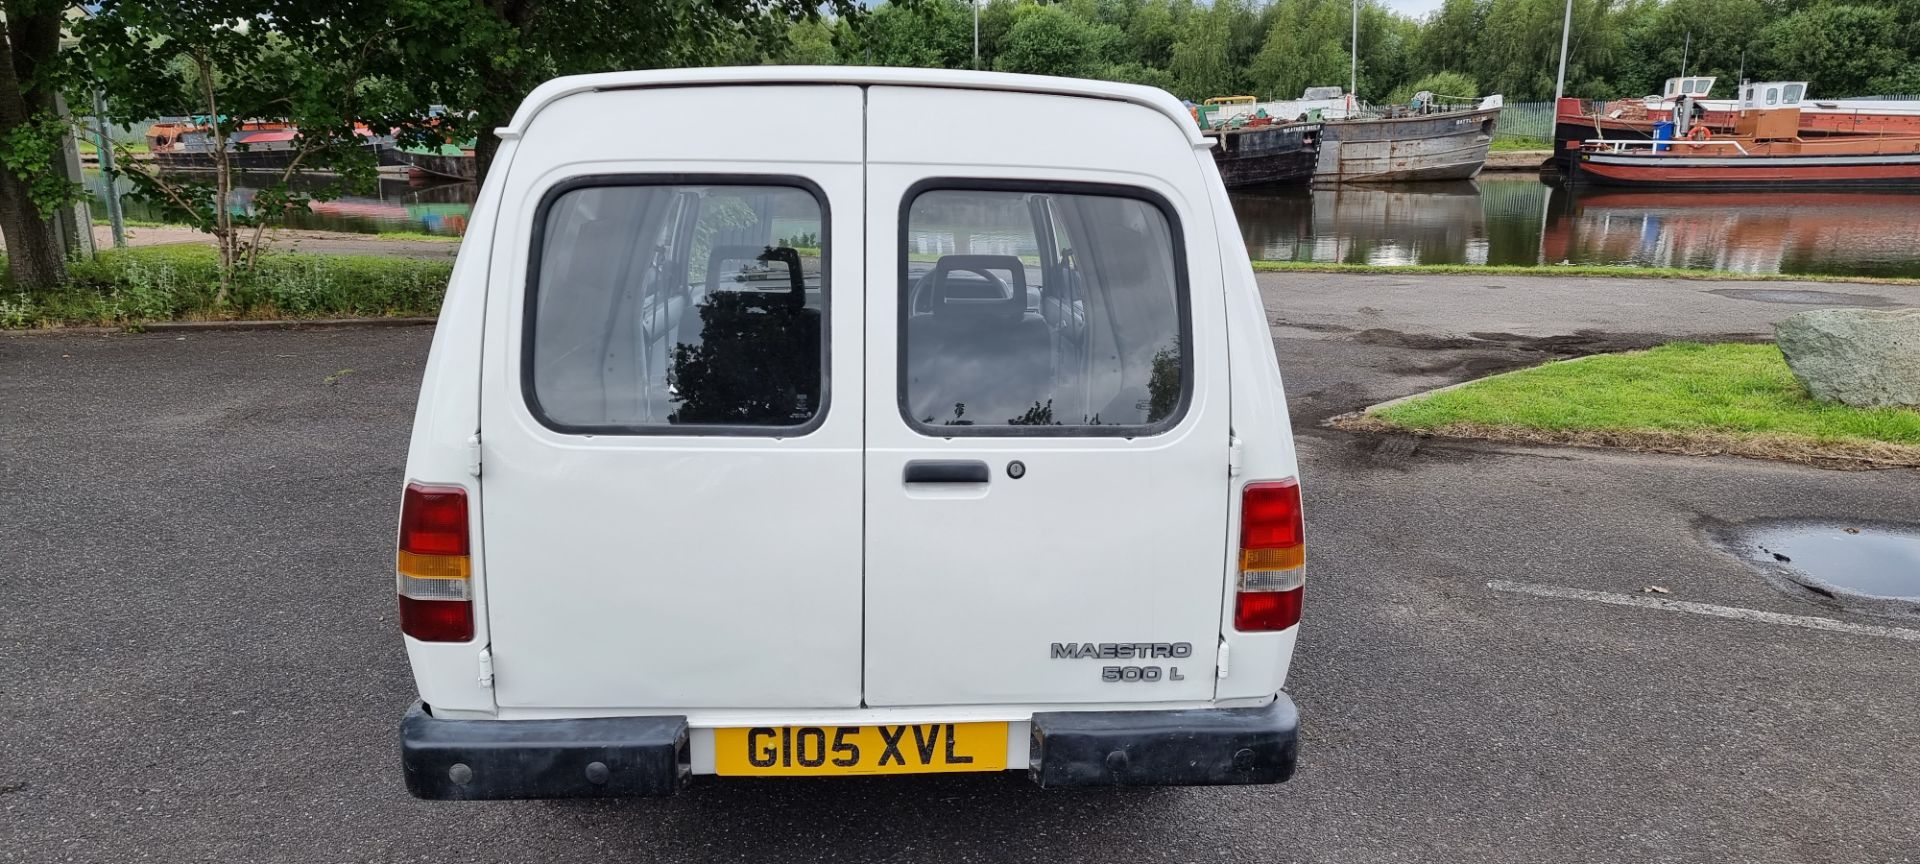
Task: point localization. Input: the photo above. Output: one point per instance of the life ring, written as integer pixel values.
(1700, 133)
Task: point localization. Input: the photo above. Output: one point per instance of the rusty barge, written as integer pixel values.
(1332, 140)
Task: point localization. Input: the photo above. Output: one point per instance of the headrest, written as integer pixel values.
(1012, 306)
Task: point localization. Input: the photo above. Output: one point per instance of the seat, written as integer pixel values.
(977, 354)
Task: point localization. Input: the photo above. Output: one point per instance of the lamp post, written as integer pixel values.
(1560, 84)
(1353, 64)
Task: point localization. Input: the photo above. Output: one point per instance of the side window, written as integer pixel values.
(1037, 308)
(1773, 95)
(1794, 91)
(655, 306)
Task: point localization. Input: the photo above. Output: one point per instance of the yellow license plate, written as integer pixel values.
(915, 748)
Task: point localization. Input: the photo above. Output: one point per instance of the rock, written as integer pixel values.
(1860, 357)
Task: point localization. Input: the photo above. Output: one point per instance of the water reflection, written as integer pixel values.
(1521, 220)
(1498, 219)
(395, 204)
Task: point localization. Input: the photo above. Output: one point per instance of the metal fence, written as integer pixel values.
(1531, 121)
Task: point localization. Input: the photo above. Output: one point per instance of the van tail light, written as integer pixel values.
(1273, 555)
(434, 565)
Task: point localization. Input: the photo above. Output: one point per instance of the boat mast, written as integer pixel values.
(1560, 84)
(1353, 68)
(1684, 50)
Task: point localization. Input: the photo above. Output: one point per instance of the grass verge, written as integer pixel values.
(1618, 272)
(180, 282)
(1521, 144)
(414, 235)
(1682, 397)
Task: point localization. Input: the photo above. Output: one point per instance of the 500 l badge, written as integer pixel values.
(1127, 651)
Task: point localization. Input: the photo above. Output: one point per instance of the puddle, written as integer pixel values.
(1873, 568)
(1802, 297)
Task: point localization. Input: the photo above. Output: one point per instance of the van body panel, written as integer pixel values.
(1262, 426)
(1100, 538)
(439, 452)
(670, 569)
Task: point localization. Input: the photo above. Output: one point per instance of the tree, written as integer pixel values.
(1840, 50)
(810, 43)
(1448, 40)
(315, 65)
(31, 134)
(1153, 30)
(1711, 37)
(1202, 55)
(1519, 46)
(1306, 46)
(484, 56)
(934, 33)
(1046, 40)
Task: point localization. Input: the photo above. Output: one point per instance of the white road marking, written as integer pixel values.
(1738, 614)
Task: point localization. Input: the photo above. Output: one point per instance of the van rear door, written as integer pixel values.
(1047, 415)
(671, 454)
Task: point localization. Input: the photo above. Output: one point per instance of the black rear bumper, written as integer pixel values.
(647, 756)
(1203, 747)
(606, 757)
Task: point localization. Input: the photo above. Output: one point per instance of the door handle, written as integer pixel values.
(946, 471)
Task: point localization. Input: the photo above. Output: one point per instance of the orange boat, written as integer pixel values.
(1766, 150)
(1578, 120)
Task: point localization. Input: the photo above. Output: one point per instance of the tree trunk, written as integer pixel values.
(223, 234)
(500, 86)
(28, 39)
(484, 146)
(34, 258)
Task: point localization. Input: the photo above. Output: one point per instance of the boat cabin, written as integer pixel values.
(1695, 87)
(1771, 94)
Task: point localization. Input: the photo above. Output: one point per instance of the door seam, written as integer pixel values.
(866, 237)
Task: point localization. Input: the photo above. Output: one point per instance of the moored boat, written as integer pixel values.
(1265, 155)
(1433, 143)
(1342, 141)
(445, 162)
(1577, 120)
(254, 145)
(1765, 151)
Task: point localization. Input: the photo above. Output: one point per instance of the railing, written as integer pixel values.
(1526, 121)
(1620, 145)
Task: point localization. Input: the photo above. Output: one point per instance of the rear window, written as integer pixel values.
(1031, 309)
(665, 308)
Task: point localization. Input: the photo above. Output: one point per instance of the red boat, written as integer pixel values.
(1766, 150)
(1578, 120)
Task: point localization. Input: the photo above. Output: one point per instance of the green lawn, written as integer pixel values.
(1522, 144)
(1736, 398)
(88, 146)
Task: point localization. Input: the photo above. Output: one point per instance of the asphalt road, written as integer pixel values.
(199, 660)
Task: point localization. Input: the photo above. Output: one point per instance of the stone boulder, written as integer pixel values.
(1860, 357)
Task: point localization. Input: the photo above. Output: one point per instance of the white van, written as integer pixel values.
(911, 421)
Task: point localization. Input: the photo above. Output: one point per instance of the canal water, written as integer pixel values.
(1497, 219)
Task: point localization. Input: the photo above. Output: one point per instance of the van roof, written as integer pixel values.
(558, 88)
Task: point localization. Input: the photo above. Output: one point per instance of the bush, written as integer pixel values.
(1439, 84)
(157, 283)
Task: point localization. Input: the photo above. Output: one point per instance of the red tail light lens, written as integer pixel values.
(433, 567)
(436, 620)
(433, 520)
(1255, 611)
(1272, 557)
